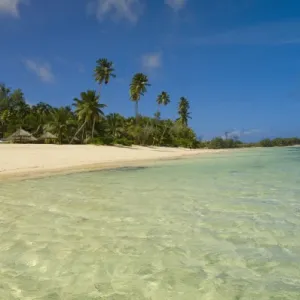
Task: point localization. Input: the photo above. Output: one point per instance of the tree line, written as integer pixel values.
(85, 121)
(221, 143)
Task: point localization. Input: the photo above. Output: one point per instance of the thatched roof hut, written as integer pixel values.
(47, 136)
(21, 136)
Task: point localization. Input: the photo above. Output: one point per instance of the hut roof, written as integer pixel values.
(21, 132)
(47, 135)
(21, 135)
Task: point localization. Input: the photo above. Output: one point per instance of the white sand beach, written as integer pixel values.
(28, 160)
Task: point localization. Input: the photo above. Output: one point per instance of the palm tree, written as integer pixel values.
(138, 88)
(162, 99)
(42, 108)
(115, 124)
(104, 71)
(88, 110)
(183, 111)
(61, 120)
(42, 112)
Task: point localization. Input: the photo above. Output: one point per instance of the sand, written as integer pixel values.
(24, 161)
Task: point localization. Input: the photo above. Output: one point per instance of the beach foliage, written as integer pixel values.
(86, 120)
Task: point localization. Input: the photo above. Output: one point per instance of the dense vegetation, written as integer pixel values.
(85, 121)
(220, 143)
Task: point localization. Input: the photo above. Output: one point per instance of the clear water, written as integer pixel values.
(219, 227)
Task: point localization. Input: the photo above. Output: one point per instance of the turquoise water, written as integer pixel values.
(219, 227)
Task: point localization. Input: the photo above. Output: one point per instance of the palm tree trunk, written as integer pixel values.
(37, 129)
(136, 111)
(78, 131)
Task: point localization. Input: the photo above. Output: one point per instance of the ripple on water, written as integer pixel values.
(220, 227)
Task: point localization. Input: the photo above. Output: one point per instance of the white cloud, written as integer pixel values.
(116, 9)
(11, 7)
(152, 61)
(176, 4)
(42, 70)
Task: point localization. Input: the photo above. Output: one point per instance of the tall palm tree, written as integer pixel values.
(104, 71)
(88, 110)
(162, 99)
(138, 87)
(183, 111)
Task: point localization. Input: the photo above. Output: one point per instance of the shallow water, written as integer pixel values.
(219, 227)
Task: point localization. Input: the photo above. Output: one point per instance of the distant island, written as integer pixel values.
(84, 122)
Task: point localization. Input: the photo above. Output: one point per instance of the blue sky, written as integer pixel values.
(237, 61)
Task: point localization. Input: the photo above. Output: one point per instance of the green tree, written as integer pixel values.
(266, 143)
(88, 110)
(162, 99)
(138, 87)
(42, 108)
(4, 97)
(14, 103)
(115, 125)
(60, 123)
(217, 143)
(42, 113)
(104, 71)
(183, 111)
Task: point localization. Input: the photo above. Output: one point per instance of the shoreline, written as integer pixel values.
(25, 161)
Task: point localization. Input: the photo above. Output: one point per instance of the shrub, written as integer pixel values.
(123, 141)
(216, 143)
(96, 141)
(266, 143)
(101, 141)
